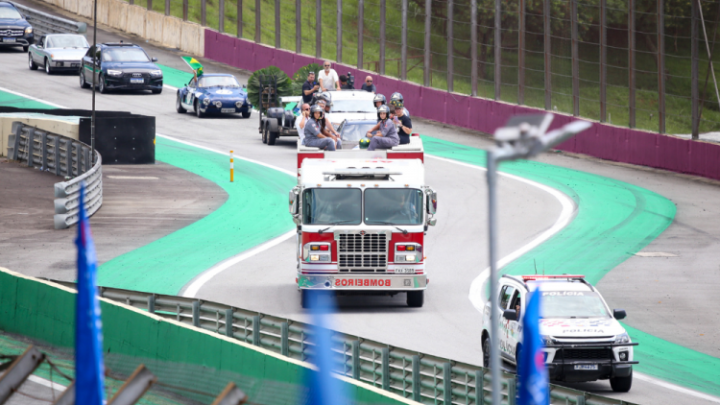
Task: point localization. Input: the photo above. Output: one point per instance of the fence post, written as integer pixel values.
(277, 23)
(221, 15)
(661, 65)
(521, 52)
(43, 152)
(580, 400)
(298, 24)
(151, 303)
(694, 66)
(603, 61)
(575, 58)
(428, 19)
(167, 7)
(512, 391)
(203, 12)
(361, 18)
(480, 386)
(548, 61)
(473, 48)
(403, 41)
(416, 377)
(149, 4)
(258, 17)
(196, 313)
(284, 339)
(68, 154)
(447, 383)
(338, 51)
(229, 320)
(385, 368)
(450, 46)
(498, 51)
(256, 330)
(318, 29)
(381, 68)
(185, 10)
(356, 359)
(239, 18)
(56, 151)
(631, 62)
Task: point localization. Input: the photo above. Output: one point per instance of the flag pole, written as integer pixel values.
(95, 62)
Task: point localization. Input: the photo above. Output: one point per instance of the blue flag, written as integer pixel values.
(324, 388)
(89, 369)
(533, 376)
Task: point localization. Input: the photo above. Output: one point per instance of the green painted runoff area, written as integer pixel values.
(42, 311)
(255, 211)
(175, 77)
(614, 220)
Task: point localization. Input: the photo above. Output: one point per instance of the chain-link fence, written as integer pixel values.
(626, 62)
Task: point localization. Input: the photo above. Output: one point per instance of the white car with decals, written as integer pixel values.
(582, 337)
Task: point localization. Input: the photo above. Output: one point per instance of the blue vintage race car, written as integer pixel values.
(213, 94)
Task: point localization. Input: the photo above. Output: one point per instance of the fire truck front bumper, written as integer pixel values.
(369, 282)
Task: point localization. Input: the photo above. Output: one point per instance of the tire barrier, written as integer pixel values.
(65, 157)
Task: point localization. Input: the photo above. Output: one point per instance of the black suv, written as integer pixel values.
(14, 30)
(121, 66)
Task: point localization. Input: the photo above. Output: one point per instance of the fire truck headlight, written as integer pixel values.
(314, 258)
(410, 258)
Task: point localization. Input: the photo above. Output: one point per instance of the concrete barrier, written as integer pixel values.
(192, 39)
(172, 32)
(69, 127)
(103, 11)
(136, 20)
(117, 14)
(154, 26)
(71, 6)
(85, 8)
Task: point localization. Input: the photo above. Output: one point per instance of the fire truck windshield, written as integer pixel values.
(330, 206)
(396, 206)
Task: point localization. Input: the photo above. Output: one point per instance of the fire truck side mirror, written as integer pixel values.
(293, 202)
(432, 202)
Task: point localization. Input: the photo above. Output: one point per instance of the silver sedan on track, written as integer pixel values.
(58, 52)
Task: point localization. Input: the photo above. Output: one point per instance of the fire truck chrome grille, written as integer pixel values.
(362, 253)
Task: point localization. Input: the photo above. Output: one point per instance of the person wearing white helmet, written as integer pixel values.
(384, 134)
(379, 100)
(397, 99)
(315, 131)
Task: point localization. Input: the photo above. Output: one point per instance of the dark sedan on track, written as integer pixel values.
(121, 66)
(15, 31)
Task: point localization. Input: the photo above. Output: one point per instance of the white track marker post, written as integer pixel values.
(232, 167)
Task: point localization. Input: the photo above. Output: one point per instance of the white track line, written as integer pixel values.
(47, 383)
(677, 388)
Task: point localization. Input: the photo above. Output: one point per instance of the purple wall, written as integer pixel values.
(602, 141)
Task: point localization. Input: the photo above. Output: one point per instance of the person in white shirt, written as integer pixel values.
(328, 78)
(301, 120)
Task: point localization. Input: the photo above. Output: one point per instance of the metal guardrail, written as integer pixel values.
(44, 23)
(413, 375)
(65, 157)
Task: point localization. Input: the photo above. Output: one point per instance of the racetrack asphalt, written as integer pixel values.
(693, 227)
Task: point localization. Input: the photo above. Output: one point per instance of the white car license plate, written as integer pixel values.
(137, 81)
(8, 39)
(227, 110)
(405, 270)
(586, 367)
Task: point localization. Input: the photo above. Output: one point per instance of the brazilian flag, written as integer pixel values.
(194, 65)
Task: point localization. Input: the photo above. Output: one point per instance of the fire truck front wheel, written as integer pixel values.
(415, 298)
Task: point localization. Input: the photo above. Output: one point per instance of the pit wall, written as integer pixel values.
(45, 311)
(61, 127)
(602, 141)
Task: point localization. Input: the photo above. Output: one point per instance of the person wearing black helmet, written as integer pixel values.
(315, 130)
(379, 100)
(384, 134)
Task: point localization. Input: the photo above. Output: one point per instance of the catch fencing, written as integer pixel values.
(44, 23)
(637, 63)
(66, 157)
(413, 375)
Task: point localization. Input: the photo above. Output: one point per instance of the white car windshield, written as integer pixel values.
(124, 54)
(9, 13)
(572, 304)
(353, 106)
(215, 81)
(67, 41)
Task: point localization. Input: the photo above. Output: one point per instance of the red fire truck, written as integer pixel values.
(361, 218)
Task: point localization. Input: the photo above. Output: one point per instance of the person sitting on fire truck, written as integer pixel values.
(315, 130)
(379, 100)
(384, 134)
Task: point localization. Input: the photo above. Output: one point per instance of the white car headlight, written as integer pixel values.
(28, 30)
(206, 101)
(622, 338)
(156, 73)
(547, 340)
(114, 72)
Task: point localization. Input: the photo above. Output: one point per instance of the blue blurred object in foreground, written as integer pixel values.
(324, 388)
(89, 368)
(533, 377)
